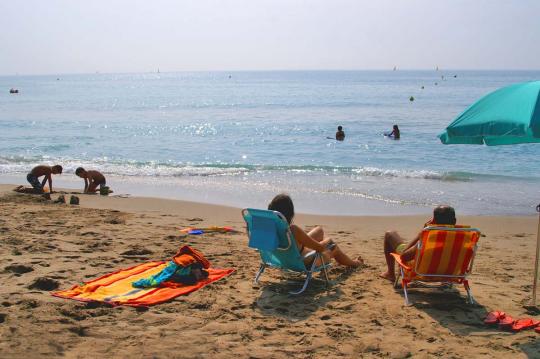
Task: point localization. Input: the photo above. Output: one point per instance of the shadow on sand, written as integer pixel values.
(275, 299)
(449, 307)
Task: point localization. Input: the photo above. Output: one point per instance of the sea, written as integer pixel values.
(239, 138)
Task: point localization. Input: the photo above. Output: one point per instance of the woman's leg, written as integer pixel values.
(317, 234)
(339, 255)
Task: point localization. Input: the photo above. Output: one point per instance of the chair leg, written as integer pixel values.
(404, 284)
(325, 272)
(306, 282)
(468, 289)
(257, 276)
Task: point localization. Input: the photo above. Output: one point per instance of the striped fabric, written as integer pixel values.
(443, 252)
(116, 288)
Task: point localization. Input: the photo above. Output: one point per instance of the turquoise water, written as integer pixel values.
(238, 138)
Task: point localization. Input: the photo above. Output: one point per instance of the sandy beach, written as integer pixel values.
(46, 246)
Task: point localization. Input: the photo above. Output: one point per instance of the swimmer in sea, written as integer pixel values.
(395, 133)
(340, 134)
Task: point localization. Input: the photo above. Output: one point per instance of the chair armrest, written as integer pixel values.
(399, 261)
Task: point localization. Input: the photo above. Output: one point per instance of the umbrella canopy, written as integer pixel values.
(507, 116)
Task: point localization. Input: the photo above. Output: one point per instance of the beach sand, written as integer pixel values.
(360, 315)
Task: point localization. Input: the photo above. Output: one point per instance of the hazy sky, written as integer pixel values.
(68, 36)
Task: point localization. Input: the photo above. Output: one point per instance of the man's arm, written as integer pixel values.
(50, 183)
(85, 185)
(410, 252)
(45, 178)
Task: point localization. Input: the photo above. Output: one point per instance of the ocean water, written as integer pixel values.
(238, 138)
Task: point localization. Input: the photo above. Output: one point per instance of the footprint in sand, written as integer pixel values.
(18, 268)
(44, 283)
(136, 251)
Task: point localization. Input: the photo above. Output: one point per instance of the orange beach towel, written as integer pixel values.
(116, 289)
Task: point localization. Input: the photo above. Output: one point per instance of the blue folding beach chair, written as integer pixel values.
(271, 235)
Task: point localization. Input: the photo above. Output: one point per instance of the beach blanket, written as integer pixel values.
(116, 288)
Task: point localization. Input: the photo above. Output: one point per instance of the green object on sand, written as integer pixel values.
(507, 116)
(105, 190)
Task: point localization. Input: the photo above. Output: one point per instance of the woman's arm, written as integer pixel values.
(301, 236)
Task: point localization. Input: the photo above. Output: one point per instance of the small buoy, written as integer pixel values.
(455, 76)
(411, 98)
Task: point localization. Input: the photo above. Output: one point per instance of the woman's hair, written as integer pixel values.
(284, 205)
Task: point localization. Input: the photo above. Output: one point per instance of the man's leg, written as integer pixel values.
(391, 240)
(34, 181)
(92, 187)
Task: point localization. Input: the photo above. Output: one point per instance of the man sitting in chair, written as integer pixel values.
(394, 243)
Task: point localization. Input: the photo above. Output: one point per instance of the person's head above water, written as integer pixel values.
(444, 215)
(339, 128)
(284, 205)
(395, 127)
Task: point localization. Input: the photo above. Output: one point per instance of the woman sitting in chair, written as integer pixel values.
(314, 239)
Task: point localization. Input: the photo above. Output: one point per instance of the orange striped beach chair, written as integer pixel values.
(445, 254)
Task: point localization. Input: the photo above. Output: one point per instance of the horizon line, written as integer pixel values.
(264, 70)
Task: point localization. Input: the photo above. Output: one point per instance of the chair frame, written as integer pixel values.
(456, 278)
(308, 271)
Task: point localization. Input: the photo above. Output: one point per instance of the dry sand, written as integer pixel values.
(45, 246)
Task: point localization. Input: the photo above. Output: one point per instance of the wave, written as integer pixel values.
(18, 164)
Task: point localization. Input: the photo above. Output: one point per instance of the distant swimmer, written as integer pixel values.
(92, 179)
(340, 134)
(395, 134)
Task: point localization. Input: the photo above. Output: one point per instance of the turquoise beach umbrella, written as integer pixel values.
(507, 116)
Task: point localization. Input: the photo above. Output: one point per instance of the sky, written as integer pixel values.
(71, 36)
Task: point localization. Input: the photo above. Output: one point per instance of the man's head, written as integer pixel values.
(444, 215)
(339, 128)
(81, 172)
(56, 169)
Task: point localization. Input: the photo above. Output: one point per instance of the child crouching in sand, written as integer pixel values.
(314, 239)
(46, 172)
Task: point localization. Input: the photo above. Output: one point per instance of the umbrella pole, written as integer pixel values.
(537, 258)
